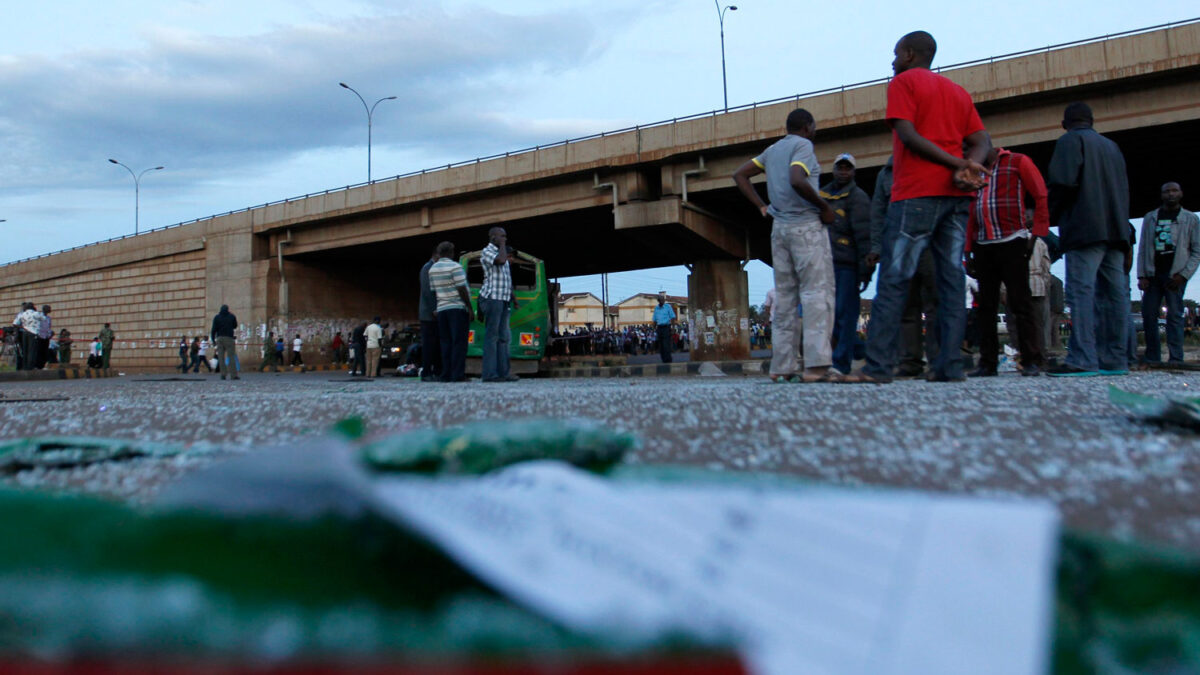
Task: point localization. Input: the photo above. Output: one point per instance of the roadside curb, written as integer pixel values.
(751, 367)
(56, 374)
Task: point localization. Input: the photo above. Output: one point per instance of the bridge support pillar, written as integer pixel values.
(719, 311)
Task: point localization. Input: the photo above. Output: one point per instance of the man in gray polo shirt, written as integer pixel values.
(800, 251)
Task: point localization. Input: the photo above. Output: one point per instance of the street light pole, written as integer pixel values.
(370, 114)
(137, 185)
(721, 20)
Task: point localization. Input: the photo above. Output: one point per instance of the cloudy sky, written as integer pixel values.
(240, 100)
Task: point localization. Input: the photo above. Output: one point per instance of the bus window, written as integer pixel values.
(524, 275)
(474, 273)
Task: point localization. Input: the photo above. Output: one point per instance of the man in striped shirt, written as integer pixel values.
(449, 284)
(999, 244)
(494, 299)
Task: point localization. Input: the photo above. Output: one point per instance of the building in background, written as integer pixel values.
(579, 310)
(638, 310)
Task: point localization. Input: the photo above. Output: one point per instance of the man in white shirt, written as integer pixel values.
(29, 321)
(373, 334)
(296, 344)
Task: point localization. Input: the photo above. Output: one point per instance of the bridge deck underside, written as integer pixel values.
(585, 241)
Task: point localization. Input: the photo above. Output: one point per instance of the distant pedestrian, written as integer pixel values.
(938, 144)
(337, 349)
(107, 337)
(431, 349)
(358, 343)
(999, 245)
(64, 347)
(664, 319)
(801, 256)
(95, 353)
(28, 322)
(449, 283)
(373, 335)
(194, 355)
(1169, 256)
(269, 355)
(1089, 202)
(184, 363)
(45, 332)
(496, 300)
(224, 325)
(204, 355)
(279, 351)
(297, 343)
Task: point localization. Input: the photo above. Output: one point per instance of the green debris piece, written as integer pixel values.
(1181, 410)
(1125, 608)
(485, 446)
(352, 428)
(59, 452)
(84, 577)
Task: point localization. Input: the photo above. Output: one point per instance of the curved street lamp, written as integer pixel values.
(370, 114)
(721, 19)
(137, 182)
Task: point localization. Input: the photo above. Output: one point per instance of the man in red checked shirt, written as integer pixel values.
(938, 146)
(999, 244)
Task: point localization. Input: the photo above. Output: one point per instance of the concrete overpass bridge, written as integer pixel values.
(646, 196)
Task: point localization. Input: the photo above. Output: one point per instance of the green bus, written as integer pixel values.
(529, 324)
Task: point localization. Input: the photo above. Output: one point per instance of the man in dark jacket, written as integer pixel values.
(358, 340)
(850, 242)
(223, 326)
(1089, 202)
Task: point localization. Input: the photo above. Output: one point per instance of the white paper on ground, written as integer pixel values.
(802, 580)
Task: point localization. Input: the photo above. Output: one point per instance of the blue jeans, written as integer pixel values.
(1098, 295)
(911, 226)
(845, 316)
(1152, 301)
(495, 338)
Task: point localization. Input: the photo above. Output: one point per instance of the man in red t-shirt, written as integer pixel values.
(938, 145)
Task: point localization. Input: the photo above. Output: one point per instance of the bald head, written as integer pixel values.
(920, 42)
(915, 50)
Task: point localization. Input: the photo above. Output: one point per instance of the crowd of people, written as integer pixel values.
(951, 214)
(949, 204)
(32, 344)
(629, 340)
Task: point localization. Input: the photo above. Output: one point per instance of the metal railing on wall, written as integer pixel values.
(636, 127)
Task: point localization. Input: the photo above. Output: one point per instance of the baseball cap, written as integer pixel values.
(846, 157)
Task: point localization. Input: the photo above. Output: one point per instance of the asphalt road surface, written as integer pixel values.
(1054, 439)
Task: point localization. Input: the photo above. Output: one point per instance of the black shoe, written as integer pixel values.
(512, 378)
(1067, 370)
(983, 371)
(909, 371)
(934, 377)
(1031, 370)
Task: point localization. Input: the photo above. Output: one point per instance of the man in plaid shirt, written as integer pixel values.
(999, 244)
(494, 299)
